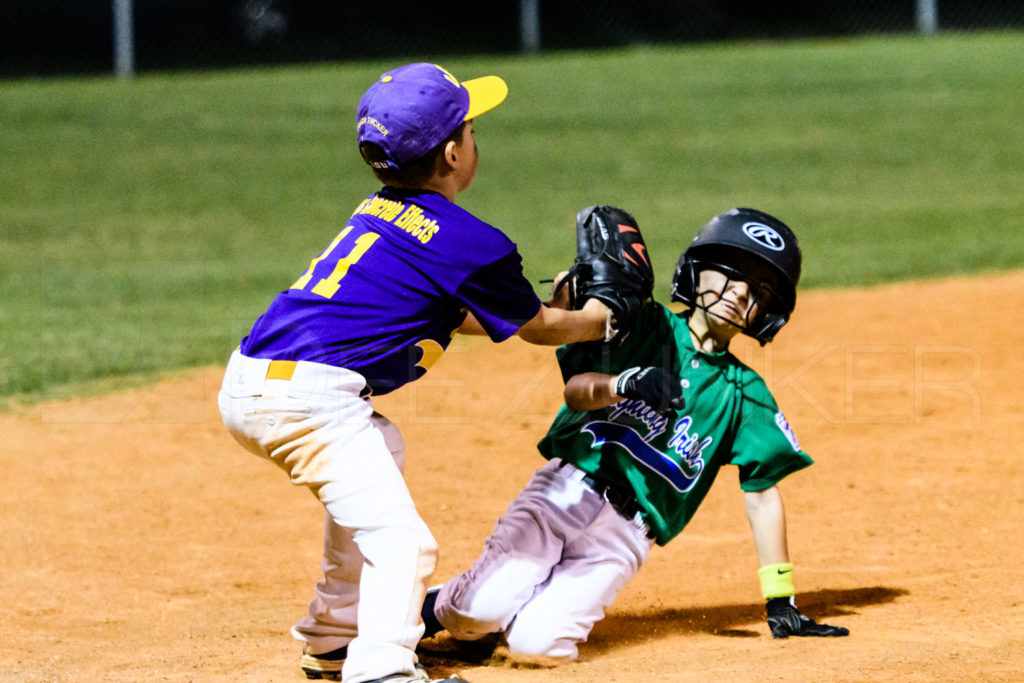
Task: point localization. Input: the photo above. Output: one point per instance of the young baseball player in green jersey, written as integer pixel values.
(646, 427)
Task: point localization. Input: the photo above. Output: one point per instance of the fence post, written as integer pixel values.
(124, 39)
(927, 17)
(529, 25)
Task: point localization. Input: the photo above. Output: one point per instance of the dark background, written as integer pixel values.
(52, 37)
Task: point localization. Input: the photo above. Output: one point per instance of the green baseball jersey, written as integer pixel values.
(669, 463)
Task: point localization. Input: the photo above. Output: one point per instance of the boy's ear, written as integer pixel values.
(451, 154)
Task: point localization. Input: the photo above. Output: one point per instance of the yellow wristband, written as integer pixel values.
(776, 580)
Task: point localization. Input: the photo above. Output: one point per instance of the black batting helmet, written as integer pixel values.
(734, 241)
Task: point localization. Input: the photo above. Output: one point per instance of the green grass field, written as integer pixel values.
(144, 225)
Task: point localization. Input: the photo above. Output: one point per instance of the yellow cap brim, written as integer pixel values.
(485, 93)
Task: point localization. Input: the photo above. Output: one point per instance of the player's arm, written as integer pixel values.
(590, 391)
(500, 290)
(595, 390)
(554, 315)
(556, 326)
(559, 299)
(471, 325)
(767, 518)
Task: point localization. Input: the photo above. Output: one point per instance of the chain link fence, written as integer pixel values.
(47, 37)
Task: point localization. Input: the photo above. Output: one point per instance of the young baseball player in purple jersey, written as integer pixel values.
(645, 429)
(373, 311)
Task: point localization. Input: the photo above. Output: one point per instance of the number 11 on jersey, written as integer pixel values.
(326, 287)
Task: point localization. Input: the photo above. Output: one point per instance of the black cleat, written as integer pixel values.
(325, 666)
(430, 622)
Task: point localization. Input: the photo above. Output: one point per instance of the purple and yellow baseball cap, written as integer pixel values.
(412, 109)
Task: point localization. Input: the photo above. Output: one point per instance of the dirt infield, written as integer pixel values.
(139, 542)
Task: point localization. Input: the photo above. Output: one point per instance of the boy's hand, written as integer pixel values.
(560, 292)
(654, 386)
(785, 620)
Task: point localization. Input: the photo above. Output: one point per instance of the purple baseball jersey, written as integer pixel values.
(386, 296)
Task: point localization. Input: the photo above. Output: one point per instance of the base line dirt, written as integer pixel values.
(138, 541)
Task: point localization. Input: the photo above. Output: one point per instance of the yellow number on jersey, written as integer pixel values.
(431, 352)
(327, 286)
(330, 284)
(304, 280)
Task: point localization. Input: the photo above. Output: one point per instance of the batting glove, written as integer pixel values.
(785, 620)
(654, 386)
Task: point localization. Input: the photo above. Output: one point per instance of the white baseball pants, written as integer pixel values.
(378, 553)
(556, 559)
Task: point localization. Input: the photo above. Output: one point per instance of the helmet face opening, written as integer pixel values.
(762, 303)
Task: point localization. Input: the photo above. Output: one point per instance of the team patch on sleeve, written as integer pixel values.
(783, 425)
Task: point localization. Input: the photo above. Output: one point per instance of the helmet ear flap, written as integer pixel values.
(770, 326)
(684, 283)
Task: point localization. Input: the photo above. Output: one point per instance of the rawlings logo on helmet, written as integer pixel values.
(767, 237)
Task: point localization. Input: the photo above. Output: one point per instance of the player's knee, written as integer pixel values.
(409, 544)
(543, 639)
(426, 548)
(466, 627)
(471, 618)
(540, 648)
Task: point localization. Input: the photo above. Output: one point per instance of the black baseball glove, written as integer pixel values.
(611, 265)
(654, 386)
(785, 620)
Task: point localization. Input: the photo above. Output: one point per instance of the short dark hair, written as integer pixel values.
(414, 174)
